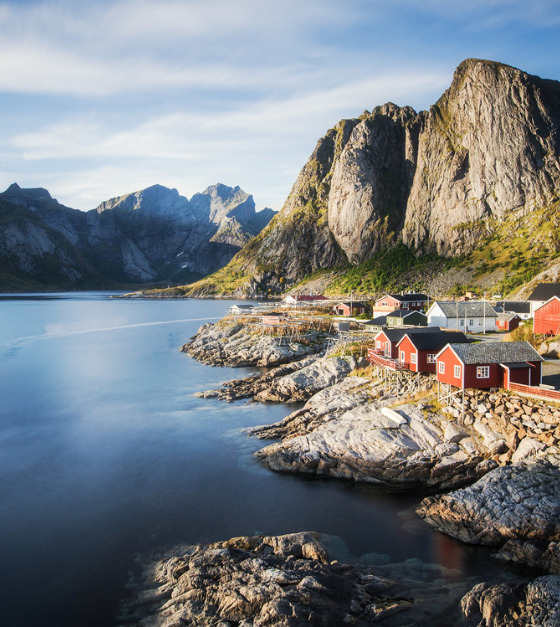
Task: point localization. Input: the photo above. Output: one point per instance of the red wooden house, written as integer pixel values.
(402, 301)
(420, 350)
(507, 321)
(546, 319)
(349, 309)
(387, 339)
(489, 365)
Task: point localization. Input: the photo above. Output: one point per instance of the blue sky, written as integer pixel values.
(101, 99)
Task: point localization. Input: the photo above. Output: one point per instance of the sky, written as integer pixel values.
(102, 99)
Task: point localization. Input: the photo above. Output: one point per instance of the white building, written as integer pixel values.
(473, 316)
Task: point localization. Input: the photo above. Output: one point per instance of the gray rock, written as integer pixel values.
(528, 447)
(520, 502)
(536, 604)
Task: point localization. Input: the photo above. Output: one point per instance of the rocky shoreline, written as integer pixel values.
(501, 450)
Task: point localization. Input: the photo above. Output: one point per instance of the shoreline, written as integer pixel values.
(345, 399)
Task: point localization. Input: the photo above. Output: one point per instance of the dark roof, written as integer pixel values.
(496, 352)
(468, 309)
(515, 306)
(436, 341)
(545, 291)
(403, 313)
(395, 335)
(379, 321)
(406, 297)
(349, 304)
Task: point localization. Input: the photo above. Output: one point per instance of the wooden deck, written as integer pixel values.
(378, 358)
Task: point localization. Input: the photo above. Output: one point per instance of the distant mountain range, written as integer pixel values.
(151, 236)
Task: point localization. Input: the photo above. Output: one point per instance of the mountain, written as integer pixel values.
(147, 236)
(480, 164)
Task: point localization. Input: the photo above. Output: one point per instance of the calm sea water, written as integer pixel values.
(106, 457)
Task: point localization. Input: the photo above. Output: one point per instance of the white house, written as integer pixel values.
(473, 316)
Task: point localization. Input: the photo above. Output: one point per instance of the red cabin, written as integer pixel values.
(507, 321)
(489, 365)
(402, 301)
(420, 350)
(388, 339)
(349, 309)
(547, 317)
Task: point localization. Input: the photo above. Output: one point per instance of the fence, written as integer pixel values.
(529, 389)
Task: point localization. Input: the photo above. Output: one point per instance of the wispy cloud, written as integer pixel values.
(104, 98)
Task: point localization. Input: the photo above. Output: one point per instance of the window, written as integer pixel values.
(431, 359)
(457, 372)
(399, 320)
(442, 367)
(482, 372)
(471, 322)
(403, 356)
(462, 322)
(387, 348)
(378, 344)
(413, 358)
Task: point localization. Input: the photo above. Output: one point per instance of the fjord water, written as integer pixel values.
(106, 459)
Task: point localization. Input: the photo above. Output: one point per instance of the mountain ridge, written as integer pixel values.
(440, 181)
(151, 235)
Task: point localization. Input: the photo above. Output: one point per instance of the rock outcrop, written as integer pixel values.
(292, 383)
(345, 432)
(516, 507)
(442, 180)
(229, 343)
(536, 604)
(152, 235)
(289, 581)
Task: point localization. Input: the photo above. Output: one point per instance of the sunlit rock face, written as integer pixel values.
(441, 179)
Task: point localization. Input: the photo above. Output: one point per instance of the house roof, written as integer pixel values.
(406, 297)
(495, 352)
(507, 316)
(403, 313)
(436, 340)
(468, 309)
(548, 301)
(351, 304)
(515, 306)
(545, 291)
(395, 335)
(379, 321)
(306, 297)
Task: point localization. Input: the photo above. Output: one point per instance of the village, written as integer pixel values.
(465, 344)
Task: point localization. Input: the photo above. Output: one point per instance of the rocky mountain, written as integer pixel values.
(440, 181)
(147, 236)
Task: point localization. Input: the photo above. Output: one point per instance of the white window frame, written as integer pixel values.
(399, 321)
(431, 358)
(441, 367)
(457, 371)
(413, 358)
(462, 322)
(483, 372)
(471, 322)
(403, 357)
(378, 344)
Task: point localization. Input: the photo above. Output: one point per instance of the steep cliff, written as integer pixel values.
(442, 181)
(151, 235)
